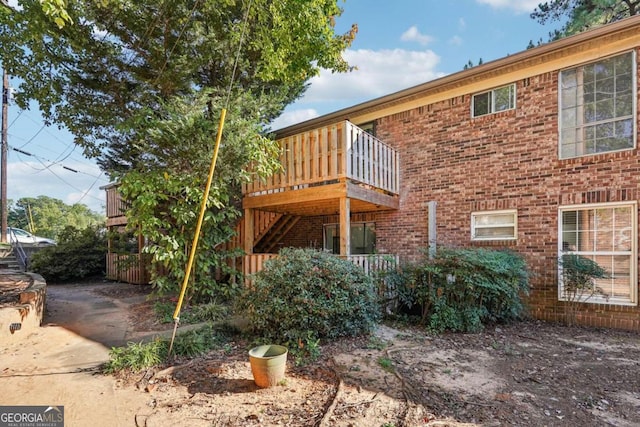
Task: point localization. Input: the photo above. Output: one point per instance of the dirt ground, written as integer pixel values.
(526, 374)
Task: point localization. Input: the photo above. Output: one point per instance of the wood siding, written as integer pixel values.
(127, 268)
(328, 155)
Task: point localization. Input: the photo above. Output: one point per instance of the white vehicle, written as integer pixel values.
(24, 237)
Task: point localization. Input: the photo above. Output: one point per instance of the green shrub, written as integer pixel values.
(138, 356)
(463, 289)
(80, 253)
(191, 314)
(304, 295)
(579, 276)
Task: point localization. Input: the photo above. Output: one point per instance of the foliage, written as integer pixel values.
(120, 57)
(165, 194)
(210, 312)
(48, 217)
(196, 342)
(305, 295)
(578, 282)
(386, 364)
(141, 85)
(470, 64)
(138, 356)
(462, 289)
(582, 15)
(80, 253)
(56, 10)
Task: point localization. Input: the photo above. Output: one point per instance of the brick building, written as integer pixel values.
(535, 152)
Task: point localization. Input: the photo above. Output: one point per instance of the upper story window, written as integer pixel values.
(597, 107)
(494, 225)
(499, 99)
(369, 127)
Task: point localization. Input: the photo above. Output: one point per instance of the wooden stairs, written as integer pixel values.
(267, 240)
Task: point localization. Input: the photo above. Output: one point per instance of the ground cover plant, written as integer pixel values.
(136, 356)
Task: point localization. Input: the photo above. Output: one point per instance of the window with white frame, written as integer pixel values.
(492, 101)
(607, 235)
(494, 225)
(597, 103)
(363, 238)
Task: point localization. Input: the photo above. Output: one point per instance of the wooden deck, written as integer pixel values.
(321, 166)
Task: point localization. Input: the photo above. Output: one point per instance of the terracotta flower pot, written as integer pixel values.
(268, 363)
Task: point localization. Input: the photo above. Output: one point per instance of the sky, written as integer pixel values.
(399, 44)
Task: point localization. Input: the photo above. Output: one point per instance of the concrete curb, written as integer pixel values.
(18, 321)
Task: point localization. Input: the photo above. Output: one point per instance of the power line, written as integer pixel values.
(51, 163)
(85, 193)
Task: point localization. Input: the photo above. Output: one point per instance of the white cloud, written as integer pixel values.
(378, 73)
(519, 6)
(462, 24)
(28, 178)
(456, 41)
(289, 118)
(414, 35)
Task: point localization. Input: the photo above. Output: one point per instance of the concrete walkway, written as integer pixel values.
(59, 364)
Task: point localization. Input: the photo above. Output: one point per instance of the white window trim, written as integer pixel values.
(633, 273)
(493, 104)
(474, 226)
(634, 73)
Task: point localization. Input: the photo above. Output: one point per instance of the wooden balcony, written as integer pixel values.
(321, 166)
(336, 169)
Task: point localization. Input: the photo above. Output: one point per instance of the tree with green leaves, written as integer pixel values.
(141, 86)
(581, 15)
(165, 196)
(48, 217)
(118, 57)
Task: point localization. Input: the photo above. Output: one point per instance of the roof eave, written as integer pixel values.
(458, 77)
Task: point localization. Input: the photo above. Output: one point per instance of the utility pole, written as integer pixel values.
(3, 149)
(3, 156)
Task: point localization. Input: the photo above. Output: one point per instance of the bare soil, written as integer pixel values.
(526, 374)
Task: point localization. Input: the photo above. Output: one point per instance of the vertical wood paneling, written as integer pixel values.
(329, 153)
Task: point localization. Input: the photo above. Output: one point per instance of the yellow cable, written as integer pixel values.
(203, 208)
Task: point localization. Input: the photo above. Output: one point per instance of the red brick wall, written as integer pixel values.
(307, 233)
(507, 160)
(308, 230)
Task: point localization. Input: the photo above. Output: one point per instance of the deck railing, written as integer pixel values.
(115, 205)
(369, 263)
(328, 154)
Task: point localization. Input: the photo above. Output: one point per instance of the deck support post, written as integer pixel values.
(345, 226)
(248, 231)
